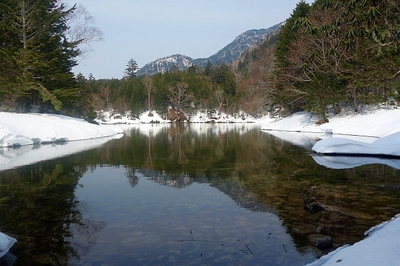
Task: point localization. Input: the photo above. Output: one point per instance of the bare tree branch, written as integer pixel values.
(81, 30)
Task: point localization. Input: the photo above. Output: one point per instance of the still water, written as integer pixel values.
(189, 195)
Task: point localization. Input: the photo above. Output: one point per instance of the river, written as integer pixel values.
(189, 194)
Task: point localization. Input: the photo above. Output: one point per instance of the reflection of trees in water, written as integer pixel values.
(284, 177)
(242, 197)
(83, 230)
(281, 176)
(149, 162)
(38, 207)
(132, 178)
(258, 171)
(180, 182)
(179, 147)
(162, 178)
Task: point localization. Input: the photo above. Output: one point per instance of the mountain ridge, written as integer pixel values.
(230, 52)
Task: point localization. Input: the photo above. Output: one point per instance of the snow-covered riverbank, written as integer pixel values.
(375, 133)
(30, 129)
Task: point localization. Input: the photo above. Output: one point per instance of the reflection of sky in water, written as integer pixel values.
(198, 224)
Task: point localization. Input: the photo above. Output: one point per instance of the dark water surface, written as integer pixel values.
(189, 195)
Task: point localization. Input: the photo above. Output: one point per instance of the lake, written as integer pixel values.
(189, 194)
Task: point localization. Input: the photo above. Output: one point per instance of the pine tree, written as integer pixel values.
(131, 69)
(37, 54)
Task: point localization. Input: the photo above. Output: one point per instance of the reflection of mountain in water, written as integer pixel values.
(232, 189)
(164, 179)
(242, 197)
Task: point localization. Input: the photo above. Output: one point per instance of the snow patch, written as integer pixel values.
(34, 129)
(6, 242)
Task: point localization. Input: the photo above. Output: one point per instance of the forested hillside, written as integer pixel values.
(338, 52)
(254, 71)
(326, 55)
(212, 88)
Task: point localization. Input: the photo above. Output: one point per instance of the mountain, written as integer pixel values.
(182, 62)
(239, 45)
(226, 55)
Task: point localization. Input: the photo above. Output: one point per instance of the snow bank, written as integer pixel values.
(6, 242)
(110, 118)
(380, 247)
(29, 129)
(370, 125)
(371, 137)
(25, 155)
(347, 162)
(241, 117)
(385, 146)
(372, 133)
(154, 118)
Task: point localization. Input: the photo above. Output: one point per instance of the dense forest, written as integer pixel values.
(328, 54)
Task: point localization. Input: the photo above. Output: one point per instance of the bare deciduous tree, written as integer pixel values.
(122, 104)
(81, 29)
(219, 96)
(96, 101)
(179, 97)
(148, 84)
(106, 93)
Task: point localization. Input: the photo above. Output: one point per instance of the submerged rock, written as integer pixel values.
(321, 241)
(313, 205)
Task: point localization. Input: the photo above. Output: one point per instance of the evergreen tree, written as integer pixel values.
(339, 51)
(284, 94)
(8, 47)
(371, 38)
(288, 32)
(37, 54)
(131, 69)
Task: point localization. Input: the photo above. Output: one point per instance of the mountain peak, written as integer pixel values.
(162, 65)
(230, 52)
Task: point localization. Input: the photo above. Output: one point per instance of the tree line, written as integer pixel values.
(212, 88)
(329, 54)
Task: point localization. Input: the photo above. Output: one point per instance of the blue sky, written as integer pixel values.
(146, 30)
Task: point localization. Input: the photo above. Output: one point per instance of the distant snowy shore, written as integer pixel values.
(112, 118)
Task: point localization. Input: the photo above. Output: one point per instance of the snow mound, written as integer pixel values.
(347, 162)
(380, 247)
(30, 129)
(373, 124)
(386, 146)
(205, 117)
(6, 242)
(154, 117)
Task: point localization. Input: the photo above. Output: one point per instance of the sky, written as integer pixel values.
(146, 30)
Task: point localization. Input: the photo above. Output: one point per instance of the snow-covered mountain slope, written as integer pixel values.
(227, 54)
(182, 62)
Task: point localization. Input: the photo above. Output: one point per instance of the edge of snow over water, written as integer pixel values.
(29, 129)
(374, 124)
(374, 132)
(380, 247)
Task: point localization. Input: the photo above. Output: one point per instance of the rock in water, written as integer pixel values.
(321, 241)
(6, 242)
